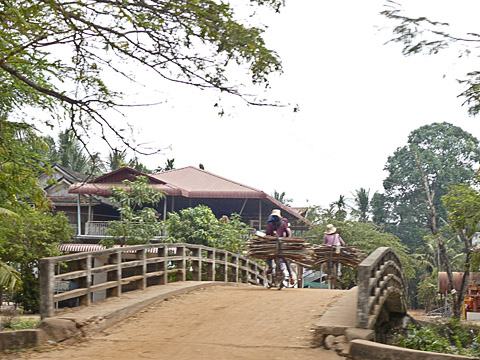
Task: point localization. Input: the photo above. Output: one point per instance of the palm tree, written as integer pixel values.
(361, 209)
(9, 278)
(281, 197)
(339, 205)
(67, 151)
(117, 159)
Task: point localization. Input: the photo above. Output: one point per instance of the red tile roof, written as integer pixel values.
(203, 184)
(189, 182)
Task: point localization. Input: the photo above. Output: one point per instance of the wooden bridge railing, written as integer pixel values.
(382, 287)
(96, 275)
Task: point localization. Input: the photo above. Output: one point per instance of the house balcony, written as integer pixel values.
(99, 229)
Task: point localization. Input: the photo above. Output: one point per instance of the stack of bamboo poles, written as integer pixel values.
(267, 247)
(348, 255)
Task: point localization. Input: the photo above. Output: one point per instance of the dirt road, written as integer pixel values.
(213, 323)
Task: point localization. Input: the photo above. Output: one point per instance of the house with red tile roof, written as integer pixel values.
(191, 186)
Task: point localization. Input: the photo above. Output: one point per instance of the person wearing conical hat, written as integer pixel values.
(333, 238)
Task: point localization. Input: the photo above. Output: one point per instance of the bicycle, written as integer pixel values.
(278, 275)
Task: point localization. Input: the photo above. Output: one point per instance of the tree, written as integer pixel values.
(282, 198)
(367, 237)
(447, 156)
(56, 54)
(339, 206)
(68, 152)
(34, 234)
(21, 160)
(361, 208)
(117, 159)
(463, 204)
(138, 223)
(200, 226)
(420, 35)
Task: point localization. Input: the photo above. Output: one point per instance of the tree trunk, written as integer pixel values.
(438, 237)
(466, 271)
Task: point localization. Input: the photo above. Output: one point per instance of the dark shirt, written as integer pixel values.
(281, 229)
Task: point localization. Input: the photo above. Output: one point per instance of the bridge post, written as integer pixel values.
(363, 295)
(222, 258)
(115, 275)
(211, 265)
(142, 256)
(181, 264)
(86, 264)
(163, 252)
(235, 268)
(47, 282)
(197, 264)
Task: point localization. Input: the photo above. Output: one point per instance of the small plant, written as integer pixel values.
(423, 338)
(10, 320)
(449, 338)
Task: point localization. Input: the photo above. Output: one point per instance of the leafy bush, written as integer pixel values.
(449, 338)
(200, 226)
(423, 338)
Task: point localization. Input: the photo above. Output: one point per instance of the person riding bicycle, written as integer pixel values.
(278, 226)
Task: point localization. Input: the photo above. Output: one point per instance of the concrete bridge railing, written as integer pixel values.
(382, 288)
(93, 276)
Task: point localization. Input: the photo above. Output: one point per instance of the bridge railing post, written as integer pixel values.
(86, 281)
(47, 284)
(235, 271)
(222, 262)
(141, 255)
(115, 274)
(181, 264)
(163, 253)
(211, 268)
(363, 295)
(197, 263)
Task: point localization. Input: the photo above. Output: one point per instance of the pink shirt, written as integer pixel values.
(333, 239)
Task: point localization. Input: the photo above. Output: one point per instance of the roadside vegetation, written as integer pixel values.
(449, 337)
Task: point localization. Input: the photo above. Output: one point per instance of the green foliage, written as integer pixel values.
(427, 293)
(21, 161)
(34, 234)
(463, 204)
(424, 339)
(11, 320)
(361, 208)
(282, 198)
(367, 237)
(139, 223)
(448, 156)
(10, 278)
(69, 152)
(448, 338)
(200, 226)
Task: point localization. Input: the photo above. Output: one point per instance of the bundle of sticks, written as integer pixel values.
(348, 255)
(267, 247)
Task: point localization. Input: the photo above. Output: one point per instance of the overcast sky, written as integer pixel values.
(359, 99)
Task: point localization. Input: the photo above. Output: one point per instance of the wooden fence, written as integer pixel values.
(93, 276)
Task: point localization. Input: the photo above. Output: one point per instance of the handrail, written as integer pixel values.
(111, 272)
(381, 283)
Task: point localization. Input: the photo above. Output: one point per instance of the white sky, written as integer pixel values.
(359, 99)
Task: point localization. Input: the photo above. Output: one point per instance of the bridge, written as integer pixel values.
(217, 304)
